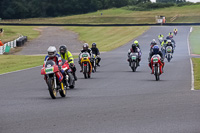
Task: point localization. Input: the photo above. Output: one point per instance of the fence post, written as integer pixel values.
(1, 50)
(15, 41)
(9, 44)
(12, 44)
(4, 47)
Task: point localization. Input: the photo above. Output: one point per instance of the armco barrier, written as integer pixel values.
(16, 43)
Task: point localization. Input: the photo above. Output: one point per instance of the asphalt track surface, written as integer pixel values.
(114, 100)
(52, 36)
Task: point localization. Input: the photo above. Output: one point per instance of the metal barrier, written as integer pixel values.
(20, 41)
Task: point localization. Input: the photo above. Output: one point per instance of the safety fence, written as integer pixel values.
(20, 41)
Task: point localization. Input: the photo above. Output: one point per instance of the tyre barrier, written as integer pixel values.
(19, 42)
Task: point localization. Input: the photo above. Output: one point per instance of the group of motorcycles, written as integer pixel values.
(167, 52)
(55, 80)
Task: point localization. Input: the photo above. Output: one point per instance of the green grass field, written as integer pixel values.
(196, 63)
(195, 49)
(13, 32)
(108, 38)
(189, 13)
(11, 63)
(195, 40)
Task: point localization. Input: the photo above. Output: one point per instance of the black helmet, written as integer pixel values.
(134, 46)
(165, 40)
(63, 49)
(94, 45)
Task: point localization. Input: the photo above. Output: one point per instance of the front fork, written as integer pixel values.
(55, 82)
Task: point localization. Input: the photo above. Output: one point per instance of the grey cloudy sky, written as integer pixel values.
(186, 0)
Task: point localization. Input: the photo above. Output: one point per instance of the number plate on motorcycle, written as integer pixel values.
(49, 70)
(84, 55)
(155, 60)
(169, 50)
(133, 57)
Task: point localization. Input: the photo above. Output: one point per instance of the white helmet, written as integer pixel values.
(52, 51)
(85, 45)
(169, 41)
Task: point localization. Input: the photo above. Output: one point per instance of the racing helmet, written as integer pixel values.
(52, 51)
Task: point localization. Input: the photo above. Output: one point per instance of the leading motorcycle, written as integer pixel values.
(54, 79)
(155, 62)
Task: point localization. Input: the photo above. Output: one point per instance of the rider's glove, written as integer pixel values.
(71, 65)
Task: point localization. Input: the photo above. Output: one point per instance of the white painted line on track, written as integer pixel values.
(191, 63)
(192, 73)
(20, 70)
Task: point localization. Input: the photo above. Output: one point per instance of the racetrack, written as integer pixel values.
(115, 100)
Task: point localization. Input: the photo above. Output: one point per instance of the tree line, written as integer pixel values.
(18, 9)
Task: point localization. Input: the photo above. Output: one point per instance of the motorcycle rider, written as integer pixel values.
(153, 43)
(85, 49)
(169, 43)
(156, 51)
(95, 51)
(53, 55)
(175, 30)
(66, 54)
(134, 49)
(137, 43)
(164, 43)
(171, 34)
(160, 36)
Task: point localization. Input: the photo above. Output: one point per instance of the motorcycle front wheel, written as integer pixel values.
(168, 57)
(51, 88)
(85, 72)
(156, 73)
(133, 66)
(62, 91)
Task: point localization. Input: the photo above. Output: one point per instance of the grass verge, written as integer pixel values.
(194, 40)
(108, 38)
(12, 32)
(11, 63)
(124, 15)
(196, 63)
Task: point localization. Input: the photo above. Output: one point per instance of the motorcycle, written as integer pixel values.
(155, 61)
(69, 80)
(161, 39)
(86, 64)
(134, 61)
(54, 79)
(168, 53)
(175, 33)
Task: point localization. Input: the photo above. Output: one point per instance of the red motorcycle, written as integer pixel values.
(156, 65)
(54, 79)
(69, 80)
